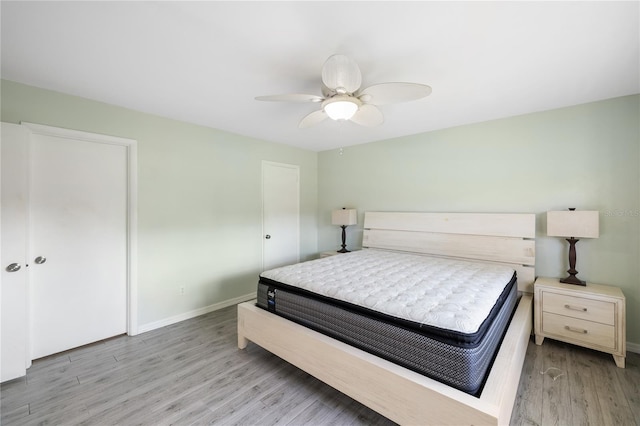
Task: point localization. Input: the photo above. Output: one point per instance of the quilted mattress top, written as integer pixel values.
(449, 294)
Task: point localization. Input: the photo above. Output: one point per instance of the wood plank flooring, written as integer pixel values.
(193, 373)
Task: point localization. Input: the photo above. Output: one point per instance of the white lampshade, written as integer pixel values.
(344, 217)
(572, 223)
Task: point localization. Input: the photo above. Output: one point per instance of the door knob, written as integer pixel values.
(14, 267)
(40, 260)
(268, 237)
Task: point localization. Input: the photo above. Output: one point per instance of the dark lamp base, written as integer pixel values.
(344, 239)
(572, 279)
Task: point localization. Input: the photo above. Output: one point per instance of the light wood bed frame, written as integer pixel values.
(395, 392)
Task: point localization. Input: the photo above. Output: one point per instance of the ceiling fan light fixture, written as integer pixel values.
(341, 107)
(343, 98)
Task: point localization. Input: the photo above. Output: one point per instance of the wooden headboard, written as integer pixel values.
(504, 238)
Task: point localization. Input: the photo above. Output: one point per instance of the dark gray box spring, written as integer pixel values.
(463, 365)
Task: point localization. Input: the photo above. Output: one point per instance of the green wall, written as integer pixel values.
(199, 198)
(585, 156)
(199, 190)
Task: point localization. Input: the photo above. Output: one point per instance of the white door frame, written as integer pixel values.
(132, 204)
(297, 169)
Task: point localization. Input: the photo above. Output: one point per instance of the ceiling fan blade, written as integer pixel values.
(342, 74)
(368, 115)
(312, 119)
(292, 97)
(389, 93)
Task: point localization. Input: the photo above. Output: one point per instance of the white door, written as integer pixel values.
(13, 252)
(280, 214)
(78, 241)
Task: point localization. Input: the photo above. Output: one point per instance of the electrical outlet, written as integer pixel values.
(182, 290)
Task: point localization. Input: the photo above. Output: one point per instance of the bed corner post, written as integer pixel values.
(242, 341)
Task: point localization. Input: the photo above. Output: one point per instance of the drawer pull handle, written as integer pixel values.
(575, 330)
(576, 308)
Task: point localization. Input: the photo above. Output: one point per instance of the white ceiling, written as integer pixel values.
(205, 62)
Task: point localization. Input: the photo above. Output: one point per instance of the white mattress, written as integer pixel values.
(449, 294)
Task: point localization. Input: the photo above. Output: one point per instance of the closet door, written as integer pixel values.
(280, 214)
(78, 241)
(14, 359)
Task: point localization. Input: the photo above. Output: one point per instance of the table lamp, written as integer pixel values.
(573, 225)
(344, 217)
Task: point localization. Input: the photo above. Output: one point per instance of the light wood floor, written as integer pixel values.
(193, 373)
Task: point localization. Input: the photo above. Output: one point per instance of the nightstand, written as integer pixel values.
(328, 253)
(592, 316)
(331, 253)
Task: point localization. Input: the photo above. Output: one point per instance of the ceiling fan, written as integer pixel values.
(342, 98)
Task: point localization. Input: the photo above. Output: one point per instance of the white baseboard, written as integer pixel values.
(195, 313)
(631, 347)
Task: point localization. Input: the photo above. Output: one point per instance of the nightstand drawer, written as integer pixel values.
(579, 330)
(579, 307)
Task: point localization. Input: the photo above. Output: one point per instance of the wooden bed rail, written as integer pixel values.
(397, 393)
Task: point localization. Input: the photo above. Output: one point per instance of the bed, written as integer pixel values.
(398, 390)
